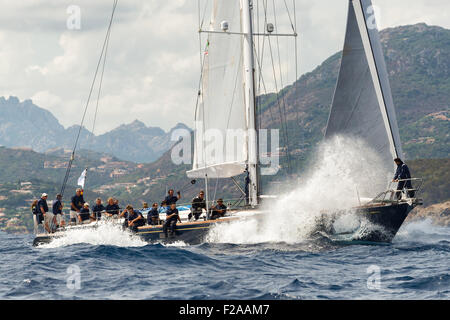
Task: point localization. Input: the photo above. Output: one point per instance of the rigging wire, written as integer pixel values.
(283, 100)
(72, 157)
(100, 89)
(261, 76)
(282, 121)
(234, 90)
(262, 47)
(215, 189)
(296, 62)
(296, 41)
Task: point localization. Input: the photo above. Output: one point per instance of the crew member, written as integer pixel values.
(134, 218)
(97, 209)
(145, 209)
(84, 217)
(37, 215)
(163, 208)
(402, 173)
(57, 211)
(171, 220)
(171, 198)
(112, 208)
(247, 186)
(218, 210)
(43, 209)
(198, 204)
(76, 205)
(153, 215)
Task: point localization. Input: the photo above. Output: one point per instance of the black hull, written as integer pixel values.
(379, 224)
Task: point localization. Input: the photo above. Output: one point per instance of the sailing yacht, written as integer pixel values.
(362, 108)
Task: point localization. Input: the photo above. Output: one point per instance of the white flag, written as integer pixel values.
(82, 178)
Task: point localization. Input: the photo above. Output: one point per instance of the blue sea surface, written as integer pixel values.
(117, 266)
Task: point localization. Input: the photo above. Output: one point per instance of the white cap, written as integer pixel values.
(44, 195)
(86, 204)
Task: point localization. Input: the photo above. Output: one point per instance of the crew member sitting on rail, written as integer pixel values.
(112, 208)
(153, 215)
(171, 220)
(134, 218)
(402, 173)
(97, 209)
(76, 205)
(171, 198)
(218, 210)
(198, 204)
(57, 211)
(84, 217)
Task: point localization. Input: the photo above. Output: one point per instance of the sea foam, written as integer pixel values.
(344, 171)
(106, 233)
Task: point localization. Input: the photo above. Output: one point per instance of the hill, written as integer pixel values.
(26, 174)
(23, 124)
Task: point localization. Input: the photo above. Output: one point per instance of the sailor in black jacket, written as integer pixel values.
(198, 204)
(402, 173)
(172, 217)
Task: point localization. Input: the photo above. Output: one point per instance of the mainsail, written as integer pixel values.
(221, 139)
(363, 106)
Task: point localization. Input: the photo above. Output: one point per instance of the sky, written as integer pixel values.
(153, 68)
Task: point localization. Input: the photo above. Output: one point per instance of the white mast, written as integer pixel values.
(249, 93)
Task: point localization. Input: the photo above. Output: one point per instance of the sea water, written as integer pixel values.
(115, 265)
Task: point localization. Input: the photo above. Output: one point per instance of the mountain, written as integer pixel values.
(136, 142)
(23, 124)
(418, 63)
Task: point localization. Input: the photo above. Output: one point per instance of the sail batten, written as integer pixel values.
(362, 105)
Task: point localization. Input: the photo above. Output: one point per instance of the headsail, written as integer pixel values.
(222, 108)
(363, 104)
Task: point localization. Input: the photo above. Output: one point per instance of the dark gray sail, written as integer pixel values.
(362, 104)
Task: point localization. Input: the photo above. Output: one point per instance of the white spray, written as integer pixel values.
(106, 233)
(343, 169)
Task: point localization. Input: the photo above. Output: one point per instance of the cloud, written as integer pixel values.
(153, 67)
